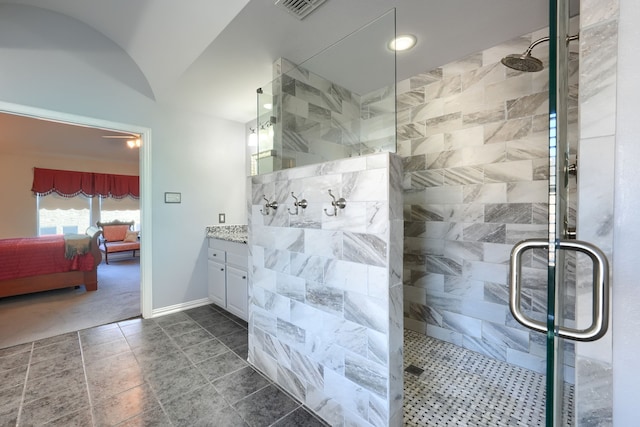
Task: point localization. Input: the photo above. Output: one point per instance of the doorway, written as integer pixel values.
(100, 126)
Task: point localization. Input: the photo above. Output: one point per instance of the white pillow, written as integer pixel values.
(131, 236)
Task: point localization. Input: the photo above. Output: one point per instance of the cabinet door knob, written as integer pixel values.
(244, 277)
(222, 269)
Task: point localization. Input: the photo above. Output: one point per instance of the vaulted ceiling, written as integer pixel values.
(228, 47)
(210, 56)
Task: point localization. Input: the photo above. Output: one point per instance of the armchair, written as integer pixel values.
(117, 236)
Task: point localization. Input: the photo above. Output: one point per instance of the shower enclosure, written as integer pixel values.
(489, 185)
(335, 105)
(495, 164)
(564, 323)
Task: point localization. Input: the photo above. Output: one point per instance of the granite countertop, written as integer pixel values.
(232, 233)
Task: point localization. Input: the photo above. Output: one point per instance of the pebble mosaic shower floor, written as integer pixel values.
(446, 385)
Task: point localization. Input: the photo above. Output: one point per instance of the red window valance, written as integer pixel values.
(72, 183)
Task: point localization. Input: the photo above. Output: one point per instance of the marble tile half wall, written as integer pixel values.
(325, 315)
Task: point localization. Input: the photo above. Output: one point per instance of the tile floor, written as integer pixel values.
(183, 369)
(453, 386)
(190, 369)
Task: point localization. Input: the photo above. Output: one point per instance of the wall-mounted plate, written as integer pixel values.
(172, 197)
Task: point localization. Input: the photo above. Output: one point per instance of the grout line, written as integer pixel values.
(250, 394)
(271, 382)
(86, 379)
(282, 389)
(210, 382)
(24, 388)
(287, 414)
(144, 379)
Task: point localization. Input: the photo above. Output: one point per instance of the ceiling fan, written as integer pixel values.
(133, 140)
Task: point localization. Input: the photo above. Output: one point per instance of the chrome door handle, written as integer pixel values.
(600, 306)
(515, 283)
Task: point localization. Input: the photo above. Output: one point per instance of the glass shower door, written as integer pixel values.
(558, 212)
(561, 328)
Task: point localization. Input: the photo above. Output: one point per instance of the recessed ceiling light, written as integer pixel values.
(404, 42)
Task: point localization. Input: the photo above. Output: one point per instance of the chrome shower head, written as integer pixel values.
(522, 62)
(526, 62)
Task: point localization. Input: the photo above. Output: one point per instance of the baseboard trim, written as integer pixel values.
(163, 311)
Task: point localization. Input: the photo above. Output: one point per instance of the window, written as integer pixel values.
(69, 229)
(126, 209)
(90, 197)
(45, 231)
(72, 215)
(59, 215)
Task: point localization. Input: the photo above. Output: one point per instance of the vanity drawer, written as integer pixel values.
(238, 258)
(217, 254)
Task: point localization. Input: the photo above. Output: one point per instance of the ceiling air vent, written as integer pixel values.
(299, 8)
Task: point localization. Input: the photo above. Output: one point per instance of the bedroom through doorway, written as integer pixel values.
(45, 139)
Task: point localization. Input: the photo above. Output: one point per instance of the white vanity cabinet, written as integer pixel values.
(228, 284)
(237, 298)
(217, 283)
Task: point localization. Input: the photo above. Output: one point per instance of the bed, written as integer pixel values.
(34, 264)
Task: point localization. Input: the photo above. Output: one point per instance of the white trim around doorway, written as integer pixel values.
(146, 300)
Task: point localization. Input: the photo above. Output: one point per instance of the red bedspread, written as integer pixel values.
(32, 256)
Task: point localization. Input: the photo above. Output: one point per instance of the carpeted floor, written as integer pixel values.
(27, 318)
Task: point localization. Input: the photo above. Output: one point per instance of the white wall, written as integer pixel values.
(56, 63)
(626, 291)
(202, 158)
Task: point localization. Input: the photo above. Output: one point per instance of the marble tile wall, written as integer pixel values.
(473, 136)
(318, 120)
(598, 59)
(378, 121)
(325, 313)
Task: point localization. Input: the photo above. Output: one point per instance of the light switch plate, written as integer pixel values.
(221, 218)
